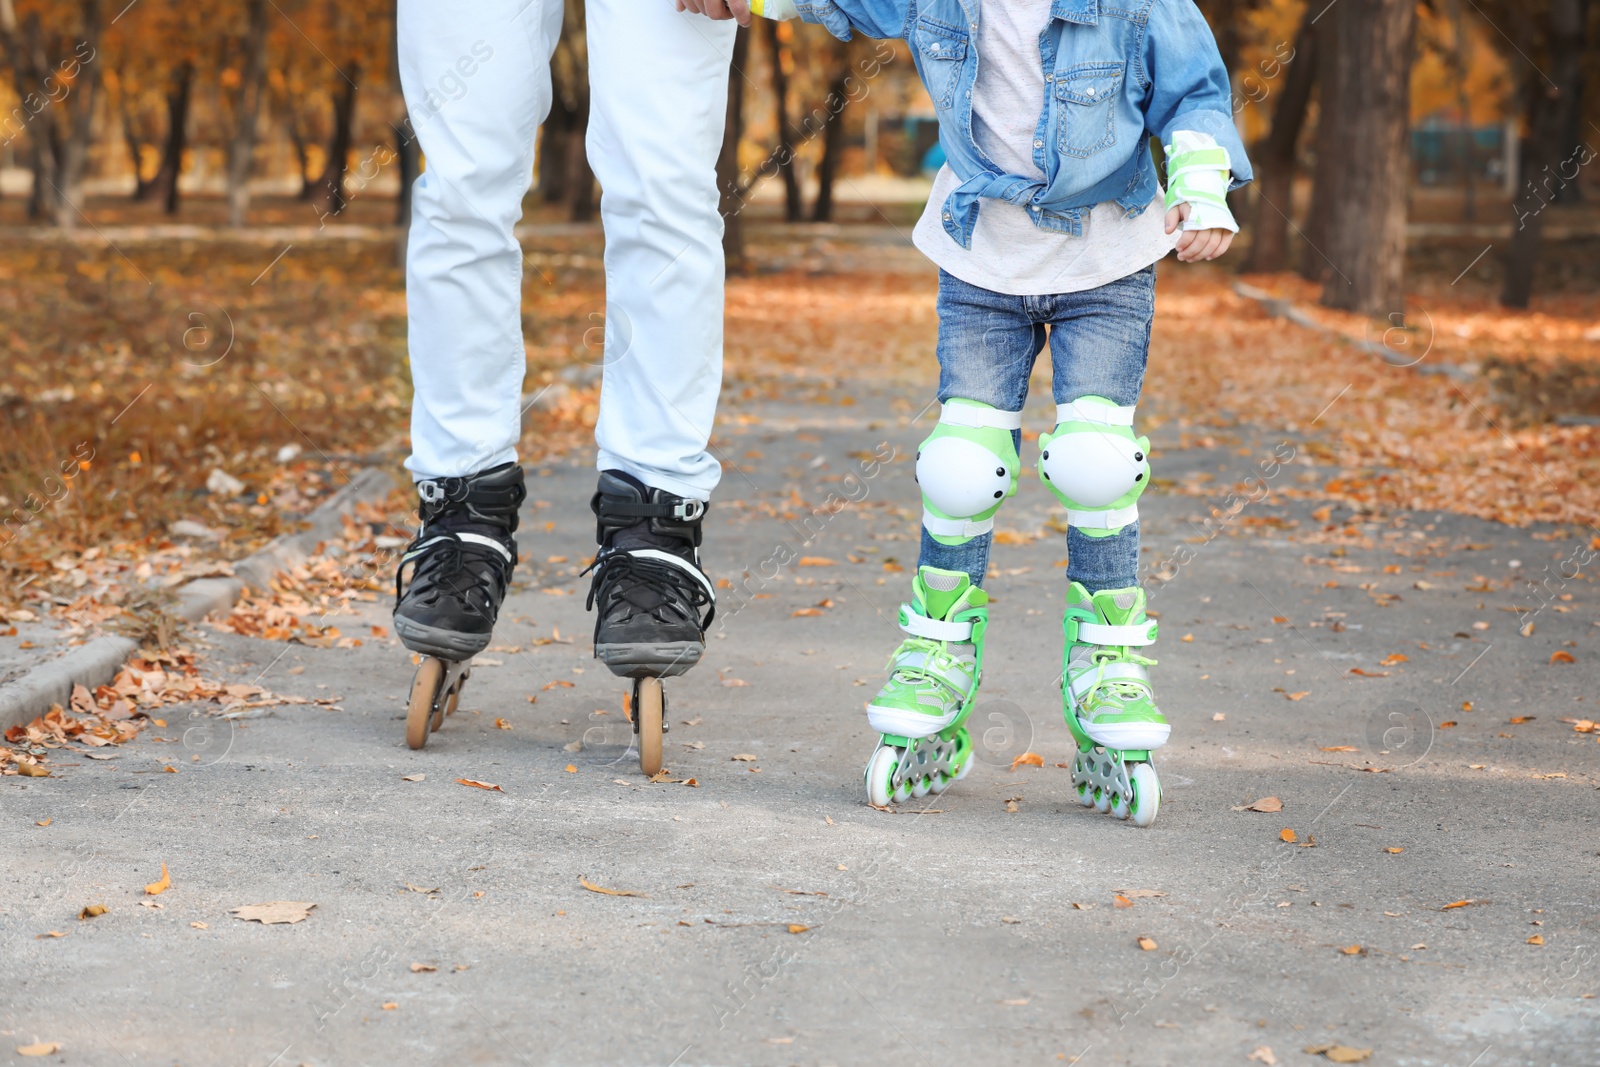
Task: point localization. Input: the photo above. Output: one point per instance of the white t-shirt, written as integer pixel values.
(1009, 254)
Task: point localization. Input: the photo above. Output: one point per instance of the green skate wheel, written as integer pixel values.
(1146, 795)
(1119, 805)
(1102, 801)
(879, 775)
(1085, 794)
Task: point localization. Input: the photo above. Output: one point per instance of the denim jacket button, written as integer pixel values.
(1038, 144)
(1049, 77)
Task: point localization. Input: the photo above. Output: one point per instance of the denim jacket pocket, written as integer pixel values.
(942, 53)
(1086, 108)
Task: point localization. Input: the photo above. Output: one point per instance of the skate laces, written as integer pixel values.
(451, 565)
(646, 596)
(1123, 687)
(937, 657)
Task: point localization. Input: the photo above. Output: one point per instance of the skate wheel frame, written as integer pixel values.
(1123, 784)
(435, 692)
(649, 722)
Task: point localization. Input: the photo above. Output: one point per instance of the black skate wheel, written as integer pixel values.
(424, 696)
(649, 708)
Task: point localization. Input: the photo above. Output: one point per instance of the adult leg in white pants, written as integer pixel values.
(658, 82)
(476, 77)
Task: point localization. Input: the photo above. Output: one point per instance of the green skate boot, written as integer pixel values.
(1108, 703)
(933, 681)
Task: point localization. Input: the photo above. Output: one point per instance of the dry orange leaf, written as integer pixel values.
(390, 1005)
(49, 933)
(1536, 939)
(804, 612)
(1286, 835)
(1120, 901)
(1458, 904)
(1395, 657)
(1148, 944)
(1561, 655)
(40, 1048)
(423, 968)
(591, 887)
(479, 785)
(1340, 1053)
(561, 683)
(47, 822)
(161, 885)
(1027, 759)
(274, 911)
(1337, 748)
(1394, 851)
(815, 561)
(1353, 950)
(1516, 720)
(798, 928)
(1266, 804)
(571, 769)
(1369, 674)
(92, 911)
(1298, 696)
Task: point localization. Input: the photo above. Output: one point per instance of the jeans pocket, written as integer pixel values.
(1086, 108)
(941, 56)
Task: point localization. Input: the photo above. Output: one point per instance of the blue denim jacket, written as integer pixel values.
(1115, 71)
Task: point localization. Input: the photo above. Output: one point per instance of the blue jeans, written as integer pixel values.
(1099, 343)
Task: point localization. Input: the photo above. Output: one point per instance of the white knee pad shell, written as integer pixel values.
(967, 468)
(1095, 465)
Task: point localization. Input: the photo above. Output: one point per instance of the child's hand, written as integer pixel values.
(1196, 245)
(738, 10)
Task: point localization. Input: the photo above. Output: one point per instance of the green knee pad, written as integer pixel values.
(1095, 465)
(967, 468)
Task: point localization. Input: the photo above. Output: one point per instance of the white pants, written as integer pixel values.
(476, 76)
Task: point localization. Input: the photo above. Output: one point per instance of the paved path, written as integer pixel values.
(980, 927)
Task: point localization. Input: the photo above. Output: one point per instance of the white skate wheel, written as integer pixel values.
(1146, 795)
(880, 771)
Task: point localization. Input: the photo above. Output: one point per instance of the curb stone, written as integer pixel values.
(30, 695)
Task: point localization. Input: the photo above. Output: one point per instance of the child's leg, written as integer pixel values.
(966, 468)
(1093, 462)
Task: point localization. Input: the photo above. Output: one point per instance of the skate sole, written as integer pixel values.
(897, 722)
(652, 659)
(432, 641)
(1122, 737)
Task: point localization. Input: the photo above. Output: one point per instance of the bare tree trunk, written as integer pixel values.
(165, 183)
(783, 154)
(554, 147)
(1458, 67)
(25, 55)
(408, 153)
(1327, 169)
(1366, 221)
(833, 133)
(134, 142)
(330, 187)
(247, 110)
(732, 194)
(78, 114)
(300, 139)
(1269, 242)
(580, 176)
(1549, 160)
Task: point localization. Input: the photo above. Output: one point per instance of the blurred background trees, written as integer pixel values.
(1373, 124)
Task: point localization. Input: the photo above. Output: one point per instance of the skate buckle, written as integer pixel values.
(688, 510)
(431, 492)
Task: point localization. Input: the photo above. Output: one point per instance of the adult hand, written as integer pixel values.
(1197, 245)
(738, 10)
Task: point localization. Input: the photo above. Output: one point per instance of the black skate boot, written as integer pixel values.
(460, 562)
(648, 587)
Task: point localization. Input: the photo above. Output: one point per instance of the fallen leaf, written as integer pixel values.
(1263, 1054)
(743, 757)
(274, 911)
(1353, 950)
(558, 683)
(1394, 657)
(50, 933)
(1120, 901)
(1536, 939)
(390, 1005)
(1337, 748)
(1369, 674)
(815, 561)
(1340, 1053)
(1139, 894)
(92, 911)
(1219, 717)
(1394, 851)
(413, 777)
(571, 769)
(800, 612)
(798, 928)
(1458, 904)
(501, 724)
(169, 770)
(1298, 696)
(591, 887)
(1266, 804)
(1148, 944)
(32, 770)
(42, 1048)
(1516, 720)
(1286, 835)
(1027, 759)
(423, 968)
(47, 822)
(479, 785)
(198, 925)
(151, 904)
(160, 886)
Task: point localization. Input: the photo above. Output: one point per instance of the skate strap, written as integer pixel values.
(921, 626)
(1084, 681)
(1109, 519)
(1099, 633)
(470, 538)
(676, 561)
(940, 667)
(937, 524)
(980, 418)
(1098, 414)
(680, 509)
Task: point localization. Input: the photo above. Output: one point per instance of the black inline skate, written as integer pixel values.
(653, 601)
(459, 569)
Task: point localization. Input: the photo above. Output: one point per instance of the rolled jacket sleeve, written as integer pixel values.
(879, 19)
(1189, 87)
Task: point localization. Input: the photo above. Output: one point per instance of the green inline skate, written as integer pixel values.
(933, 682)
(1108, 703)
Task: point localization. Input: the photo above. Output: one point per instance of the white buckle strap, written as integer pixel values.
(682, 564)
(919, 626)
(955, 527)
(1085, 680)
(1110, 519)
(980, 418)
(1099, 414)
(1099, 633)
